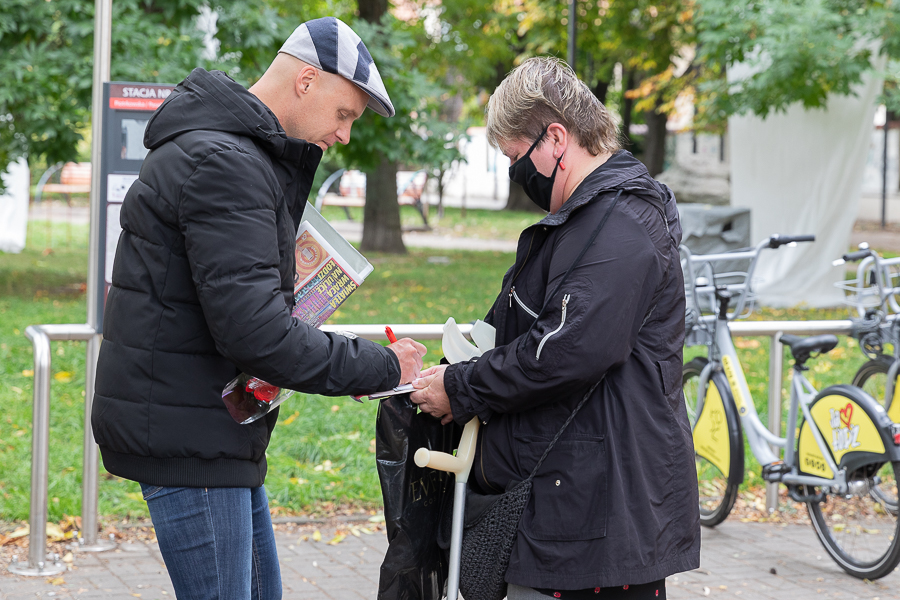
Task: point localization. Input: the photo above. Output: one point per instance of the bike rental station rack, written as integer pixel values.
(41, 335)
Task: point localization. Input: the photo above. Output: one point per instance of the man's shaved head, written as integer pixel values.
(309, 103)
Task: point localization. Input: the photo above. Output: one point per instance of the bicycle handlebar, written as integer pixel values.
(776, 241)
(852, 257)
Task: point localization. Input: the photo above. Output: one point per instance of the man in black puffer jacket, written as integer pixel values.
(203, 289)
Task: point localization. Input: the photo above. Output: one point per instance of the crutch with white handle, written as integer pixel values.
(456, 349)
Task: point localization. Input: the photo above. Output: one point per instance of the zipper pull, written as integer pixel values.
(511, 290)
(565, 301)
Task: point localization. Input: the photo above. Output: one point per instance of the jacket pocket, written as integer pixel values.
(670, 372)
(562, 322)
(514, 296)
(570, 489)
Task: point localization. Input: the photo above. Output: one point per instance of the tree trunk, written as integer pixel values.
(372, 10)
(519, 201)
(600, 90)
(381, 215)
(628, 83)
(655, 142)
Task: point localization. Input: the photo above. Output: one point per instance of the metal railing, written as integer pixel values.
(37, 563)
(771, 329)
(41, 336)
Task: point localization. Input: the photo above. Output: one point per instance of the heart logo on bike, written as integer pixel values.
(846, 415)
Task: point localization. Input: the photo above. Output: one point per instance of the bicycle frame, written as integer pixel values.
(723, 356)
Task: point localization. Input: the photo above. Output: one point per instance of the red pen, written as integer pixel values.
(390, 334)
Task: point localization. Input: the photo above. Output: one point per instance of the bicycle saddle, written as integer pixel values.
(803, 347)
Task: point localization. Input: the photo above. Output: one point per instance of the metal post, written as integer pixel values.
(884, 175)
(102, 44)
(89, 492)
(102, 36)
(37, 564)
(573, 21)
(776, 364)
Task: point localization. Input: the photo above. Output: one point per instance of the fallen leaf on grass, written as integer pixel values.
(63, 376)
(28, 373)
(291, 418)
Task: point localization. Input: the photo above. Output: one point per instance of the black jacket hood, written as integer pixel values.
(621, 172)
(212, 101)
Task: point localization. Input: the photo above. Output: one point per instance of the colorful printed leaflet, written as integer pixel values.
(323, 282)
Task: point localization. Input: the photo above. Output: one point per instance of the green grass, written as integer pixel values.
(480, 223)
(322, 450)
(38, 287)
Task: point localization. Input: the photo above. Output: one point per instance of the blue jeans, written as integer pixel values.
(218, 543)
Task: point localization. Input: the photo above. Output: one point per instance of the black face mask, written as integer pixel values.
(539, 188)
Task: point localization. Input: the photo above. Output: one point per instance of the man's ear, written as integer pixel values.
(306, 79)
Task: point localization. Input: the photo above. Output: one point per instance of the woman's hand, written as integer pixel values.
(431, 396)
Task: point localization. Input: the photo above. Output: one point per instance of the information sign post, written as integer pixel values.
(127, 107)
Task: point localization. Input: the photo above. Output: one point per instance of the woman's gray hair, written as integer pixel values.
(545, 90)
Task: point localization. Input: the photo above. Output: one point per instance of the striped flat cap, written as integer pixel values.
(329, 44)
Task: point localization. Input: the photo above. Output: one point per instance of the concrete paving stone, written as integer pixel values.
(735, 555)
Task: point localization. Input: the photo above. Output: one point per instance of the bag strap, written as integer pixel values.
(558, 286)
(563, 428)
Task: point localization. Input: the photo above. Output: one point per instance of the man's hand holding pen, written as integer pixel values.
(409, 352)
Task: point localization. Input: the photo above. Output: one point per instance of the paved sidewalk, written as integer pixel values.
(744, 561)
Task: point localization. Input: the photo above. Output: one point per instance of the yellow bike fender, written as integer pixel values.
(852, 423)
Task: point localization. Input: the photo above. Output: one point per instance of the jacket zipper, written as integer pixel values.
(562, 322)
(513, 294)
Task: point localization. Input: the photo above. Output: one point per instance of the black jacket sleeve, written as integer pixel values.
(229, 225)
(590, 325)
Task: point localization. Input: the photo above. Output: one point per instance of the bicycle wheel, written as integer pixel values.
(859, 532)
(718, 443)
(856, 527)
(872, 378)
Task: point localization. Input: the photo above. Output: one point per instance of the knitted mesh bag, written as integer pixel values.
(487, 545)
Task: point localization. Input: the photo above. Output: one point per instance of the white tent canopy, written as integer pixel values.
(801, 172)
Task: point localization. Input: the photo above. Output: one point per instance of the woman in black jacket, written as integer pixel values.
(614, 508)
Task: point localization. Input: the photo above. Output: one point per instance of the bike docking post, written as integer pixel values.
(460, 465)
(776, 366)
(37, 564)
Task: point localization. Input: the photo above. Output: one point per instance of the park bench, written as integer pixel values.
(74, 178)
(352, 191)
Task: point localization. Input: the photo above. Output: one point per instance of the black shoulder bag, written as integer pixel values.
(492, 521)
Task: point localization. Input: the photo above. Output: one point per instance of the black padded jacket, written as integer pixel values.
(616, 501)
(202, 289)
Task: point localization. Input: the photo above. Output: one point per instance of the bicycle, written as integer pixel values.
(875, 293)
(846, 445)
